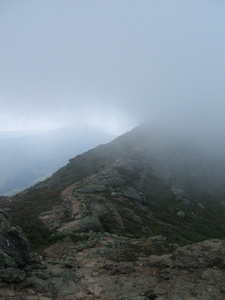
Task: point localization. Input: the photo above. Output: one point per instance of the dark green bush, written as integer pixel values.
(37, 233)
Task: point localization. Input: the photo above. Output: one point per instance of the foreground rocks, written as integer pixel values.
(14, 246)
(14, 251)
(90, 263)
(106, 266)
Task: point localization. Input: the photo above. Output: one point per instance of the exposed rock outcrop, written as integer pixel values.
(124, 209)
(106, 266)
(14, 252)
(14, 246)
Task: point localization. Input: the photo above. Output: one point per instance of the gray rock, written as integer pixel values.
(202, 206)
(114, 194)
(129, 212)
(98, 210)
(180, 214)
(38, 284)
(158, 238)
(178, 192)
(12, 275)
(56, 225)
(46, 213)
(88, 223)
(185, 201)
(14, 246)
(137, 219)
(131, 193)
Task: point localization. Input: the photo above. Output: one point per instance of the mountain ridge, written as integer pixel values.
(156, 185)
(113, 222)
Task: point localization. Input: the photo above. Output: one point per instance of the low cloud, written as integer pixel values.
(113, 64)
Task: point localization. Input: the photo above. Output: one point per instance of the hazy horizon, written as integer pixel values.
(112, 64)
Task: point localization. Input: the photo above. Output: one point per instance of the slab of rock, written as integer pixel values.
(14, 246)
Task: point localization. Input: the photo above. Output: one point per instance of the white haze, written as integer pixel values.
(113, 64)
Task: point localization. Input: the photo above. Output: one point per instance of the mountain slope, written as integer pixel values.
(117, 216)
(140, 184)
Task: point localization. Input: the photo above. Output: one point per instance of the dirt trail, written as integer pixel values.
(76, 207)
(54, 215)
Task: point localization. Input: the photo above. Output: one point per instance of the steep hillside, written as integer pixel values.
(113, 223)
(140, 184)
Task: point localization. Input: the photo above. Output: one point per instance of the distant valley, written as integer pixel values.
(28, 157)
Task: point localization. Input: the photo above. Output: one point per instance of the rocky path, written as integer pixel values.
(54, 216)
(112, 267)
(107, 270)
(75, 204)
(76, 208)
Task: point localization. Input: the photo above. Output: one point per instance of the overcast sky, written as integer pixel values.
(111, 63)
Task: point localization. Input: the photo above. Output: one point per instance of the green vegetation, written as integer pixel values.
(37, 233)
(33, 202)
(40, 236)
(200, 222)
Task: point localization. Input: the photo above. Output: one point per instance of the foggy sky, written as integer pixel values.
(112, 64)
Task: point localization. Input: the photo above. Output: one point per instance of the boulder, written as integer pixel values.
(181, 214)
(131, 193)
(89, 223)
(14, 246)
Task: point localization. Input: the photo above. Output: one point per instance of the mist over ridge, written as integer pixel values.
(113, 64)
(112, 149)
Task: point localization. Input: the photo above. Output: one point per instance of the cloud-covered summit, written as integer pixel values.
(111, 63)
